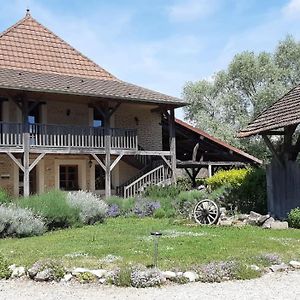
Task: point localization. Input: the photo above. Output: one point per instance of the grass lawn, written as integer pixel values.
(129, 239)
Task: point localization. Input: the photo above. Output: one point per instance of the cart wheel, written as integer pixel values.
(206, 212)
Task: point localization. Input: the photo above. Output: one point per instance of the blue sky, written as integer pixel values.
(161, 44)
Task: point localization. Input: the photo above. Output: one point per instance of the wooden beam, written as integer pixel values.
(172, 144)
(98, 160)
(272, 149)
(116, 161)
(113, 109)
(166, 161)
(15, 161)
(26, 163)
(107, 138)
(36, 161)
(195, 151)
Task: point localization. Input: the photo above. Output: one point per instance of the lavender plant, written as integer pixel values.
(19, 222)
(91, 208)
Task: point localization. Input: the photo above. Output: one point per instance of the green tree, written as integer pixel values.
(233, 97)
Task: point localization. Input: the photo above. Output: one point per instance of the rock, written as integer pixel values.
(67, 277)
(77, 271)
(178, 274)
(45, 275)
(295, 264)
(254, 268)
(98, 273)
(102, 280)
(168, 274)
(279, 268)
(12, 267)
(268, 222)
(191, 276)
(263, 219)
(225, 223)
(222, 210)
(242, 217)
(253, 218)
(18, 272)
(280, 225)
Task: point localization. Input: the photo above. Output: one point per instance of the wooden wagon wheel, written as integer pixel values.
(206, 212)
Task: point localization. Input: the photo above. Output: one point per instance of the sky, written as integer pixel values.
(162, 44)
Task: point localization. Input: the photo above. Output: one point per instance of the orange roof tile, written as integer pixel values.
(30, 46)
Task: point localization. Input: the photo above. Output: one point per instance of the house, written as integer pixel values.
(66, 123)
(278, 126)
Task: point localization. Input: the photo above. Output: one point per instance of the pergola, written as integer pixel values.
(278, 127)
(196, 149)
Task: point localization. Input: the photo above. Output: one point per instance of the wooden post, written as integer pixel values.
(209, 171)
(26, 146)
(172, 144)
(107, 133)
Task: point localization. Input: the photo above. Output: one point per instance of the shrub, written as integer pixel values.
(159, 213)
(86, 277)
(53, 207)
(157, 192)
(145, 278)
(294, 218)
(186, 201)
(4, 197)
(245, 189)
(121, 277)
(20, 222)
(125, 206)
(5, 272)
(145, 207)
(91, 208)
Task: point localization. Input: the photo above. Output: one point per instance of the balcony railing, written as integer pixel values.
(66, 136)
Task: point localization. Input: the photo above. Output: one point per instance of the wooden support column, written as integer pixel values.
(26, 147)
(172, 144)
(107, 133)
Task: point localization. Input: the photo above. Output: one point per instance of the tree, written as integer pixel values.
(233, 97)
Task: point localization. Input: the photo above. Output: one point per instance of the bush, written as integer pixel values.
(186, 201)
(91, 208)
(56, 267)
(53, 207)
(245, 189)
(5, 272)
(294, 218)
(120, 206)
(157, 192)
(4, 197)
(145, 207)
(19, 222)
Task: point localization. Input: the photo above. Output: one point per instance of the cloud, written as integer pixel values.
(292, 9)
(191, 10)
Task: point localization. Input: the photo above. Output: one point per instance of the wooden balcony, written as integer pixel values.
(65, 138)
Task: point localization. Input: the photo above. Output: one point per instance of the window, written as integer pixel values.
(99, 178)
(68, 177)
(34, 115)
(98, 119)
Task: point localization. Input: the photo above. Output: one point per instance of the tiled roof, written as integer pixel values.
(35, 59)
(63, 84)
(284, 112)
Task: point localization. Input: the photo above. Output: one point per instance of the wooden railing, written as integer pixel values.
(66, 136)
(159, 175)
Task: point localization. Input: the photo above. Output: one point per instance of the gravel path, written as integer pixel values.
(270, 286)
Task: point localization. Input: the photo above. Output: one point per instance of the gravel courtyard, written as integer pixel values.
(270, 286)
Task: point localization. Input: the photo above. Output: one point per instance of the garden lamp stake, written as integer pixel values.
(155, 255)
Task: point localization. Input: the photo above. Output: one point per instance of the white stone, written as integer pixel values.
(102, 280)
(191, 276)
(279, 268)
(179, 274)
(295, 264)
(225, 223)
(168, 274)
(18, 272)
(268, 222)
(279, 225)
(67, 277)
(79, 270)
(98, 273)
(254, 268)
(12, 267)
